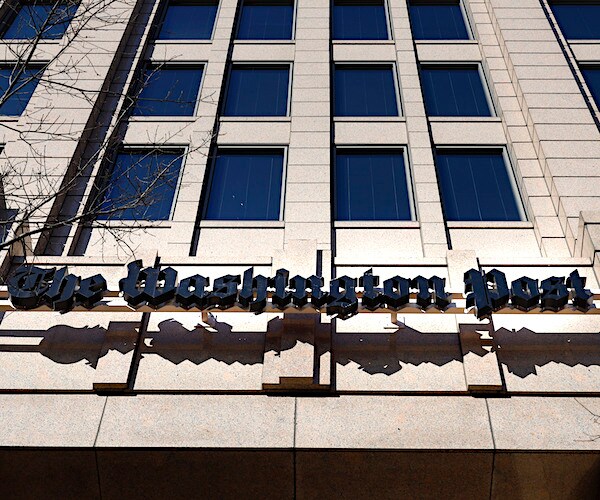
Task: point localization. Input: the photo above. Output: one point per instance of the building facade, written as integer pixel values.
(345, 138)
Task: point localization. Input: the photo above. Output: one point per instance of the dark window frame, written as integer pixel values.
(251, 65)
(294, 4)
(107, 173)
(358, 65)
(485, 83)
(240, 149)
(465, 17)
(401, 150)
(510, 172)
(160, 19)
(388, 21)
(137, 87)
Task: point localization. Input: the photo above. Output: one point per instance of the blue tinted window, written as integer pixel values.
(365, 91)
(437, 20)
(38, 19)
(592, 78)
(578, 21)
(476, 186)
(142, 186)
(168, 91)
(188, 21)
(371, 186)
(266, 20)
(246, 185)
(257, 91)
(359, 20)
(454, 92)
(16, 86)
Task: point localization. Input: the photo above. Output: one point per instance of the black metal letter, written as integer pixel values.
(525, 293)
(342, 297)
(372, 297)
(135, 293)
(251, 285)
(554, 294)
(192, 292)
(438, 285)
(281, 298)
(582, 298)
(225, 291)
(91, 290)
(61, 293)
(28, 285)
(396, 292)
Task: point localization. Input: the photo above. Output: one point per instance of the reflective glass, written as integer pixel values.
(437, 21)
(365, 91)
(371, 186)
(454, 92)
(359, 20)
(592, 78)
(476, 186)
(188, 21)
(168, 91)
(16, 89)
(43, 20)
(266, 20)
(257, 91)
(246, 185)
(578, 21)
(142, 186)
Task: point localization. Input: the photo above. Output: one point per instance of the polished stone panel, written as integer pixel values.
(384, 475)
(185, 474)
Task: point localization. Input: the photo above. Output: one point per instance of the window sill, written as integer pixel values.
(578, 41)
(157, 118)
(250, 224)
(264, 42)
(134, 224)
(184, 41)
(363, 42)
(462, 119)
(27, 41)
(255, 118)
(490, 225)
(377, 224)
(470, 41)
(369, 119)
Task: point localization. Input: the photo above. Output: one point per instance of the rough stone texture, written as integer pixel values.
(355, 422)
(220, 421)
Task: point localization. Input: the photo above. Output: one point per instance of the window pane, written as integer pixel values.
(437, 21)
(365, 91)
(142, 186)
(47, 21)
(266, 20)
(246, 185)
(454, 92)
(168, 92)
(476, 186)
(16, 89)
(371, 186)
(257, 91)
(578, 21)
(592, 78)
(184, 21)
(359, 20)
